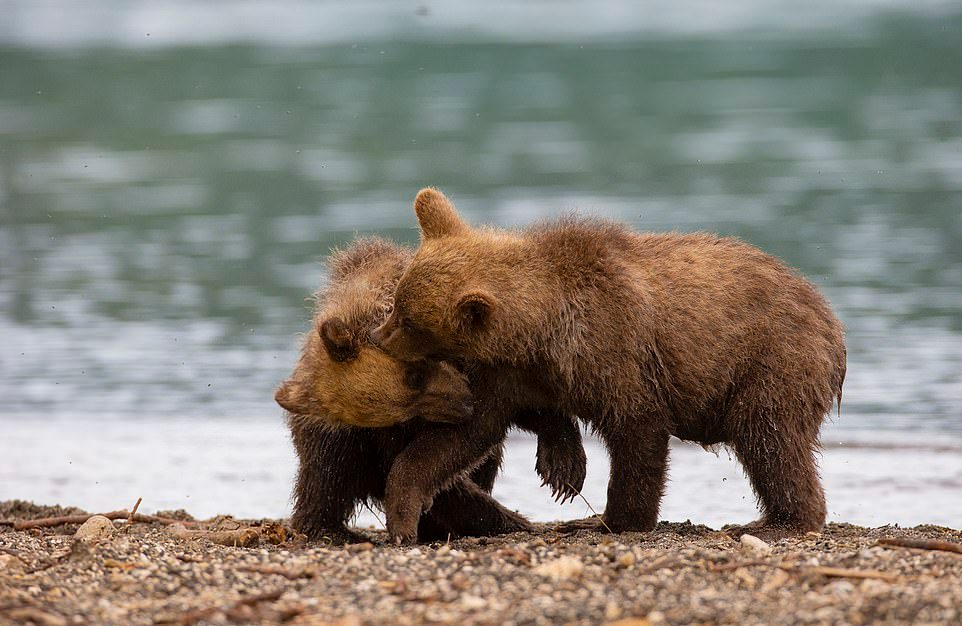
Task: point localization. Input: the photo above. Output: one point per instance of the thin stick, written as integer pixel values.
(665, 562)
(133, 512)
(832, 572)
(921, 544)
(374, 514)
(44, 522)
(591, 508)
(838, 572)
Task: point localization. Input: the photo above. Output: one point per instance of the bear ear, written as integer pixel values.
(436, 215)
(338, 341)
(475, 308)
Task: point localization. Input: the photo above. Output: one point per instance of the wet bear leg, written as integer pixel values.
(486, 473)
(466, 510)
(434, 459)
(639, 463)
(781, 467)
(330, 480)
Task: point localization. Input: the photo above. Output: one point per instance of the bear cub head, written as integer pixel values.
(343, 378)
(426, 322)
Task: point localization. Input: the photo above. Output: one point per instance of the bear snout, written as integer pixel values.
(284, 397)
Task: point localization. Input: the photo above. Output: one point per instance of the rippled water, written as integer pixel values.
(165, 197)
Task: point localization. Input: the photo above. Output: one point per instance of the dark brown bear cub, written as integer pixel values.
(359, 420)
(642, 335)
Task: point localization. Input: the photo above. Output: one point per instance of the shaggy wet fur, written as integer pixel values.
(365, 425)
(641, 335)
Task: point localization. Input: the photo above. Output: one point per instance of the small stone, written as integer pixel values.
(562, 568)
(626, 560)
(471, 602)
(755, 544)
(94, 529)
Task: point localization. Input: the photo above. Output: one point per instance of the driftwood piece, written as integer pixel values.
(240, 537)
(921, 544)
(46, 522)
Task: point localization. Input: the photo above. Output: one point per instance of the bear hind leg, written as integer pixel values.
(780, 463)
(464, 509)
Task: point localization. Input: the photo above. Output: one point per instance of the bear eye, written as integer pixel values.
(416, 375)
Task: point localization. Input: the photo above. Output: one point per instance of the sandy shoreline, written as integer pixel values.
(678, 574)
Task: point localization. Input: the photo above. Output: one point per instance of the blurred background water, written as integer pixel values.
(172, 172)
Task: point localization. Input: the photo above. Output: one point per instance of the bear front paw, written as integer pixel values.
(402, 516)
(562, 468)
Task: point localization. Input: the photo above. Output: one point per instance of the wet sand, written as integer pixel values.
(678, 574)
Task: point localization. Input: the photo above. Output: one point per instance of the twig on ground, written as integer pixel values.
(831, 572)
(133, 512)
(45, 522)
(665, 562)
(241, 537)
(590, 508)
(838, 572)
(921, 544)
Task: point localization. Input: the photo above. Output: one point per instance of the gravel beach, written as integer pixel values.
(156, 571)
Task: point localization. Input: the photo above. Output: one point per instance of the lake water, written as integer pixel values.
(170, 176)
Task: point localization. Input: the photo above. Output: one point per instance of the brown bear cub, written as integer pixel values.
(641, 335)
(358, 418)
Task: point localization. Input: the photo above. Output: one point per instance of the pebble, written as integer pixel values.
(755, 544)
(471, 602)
(562, 568)
(94, 529)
